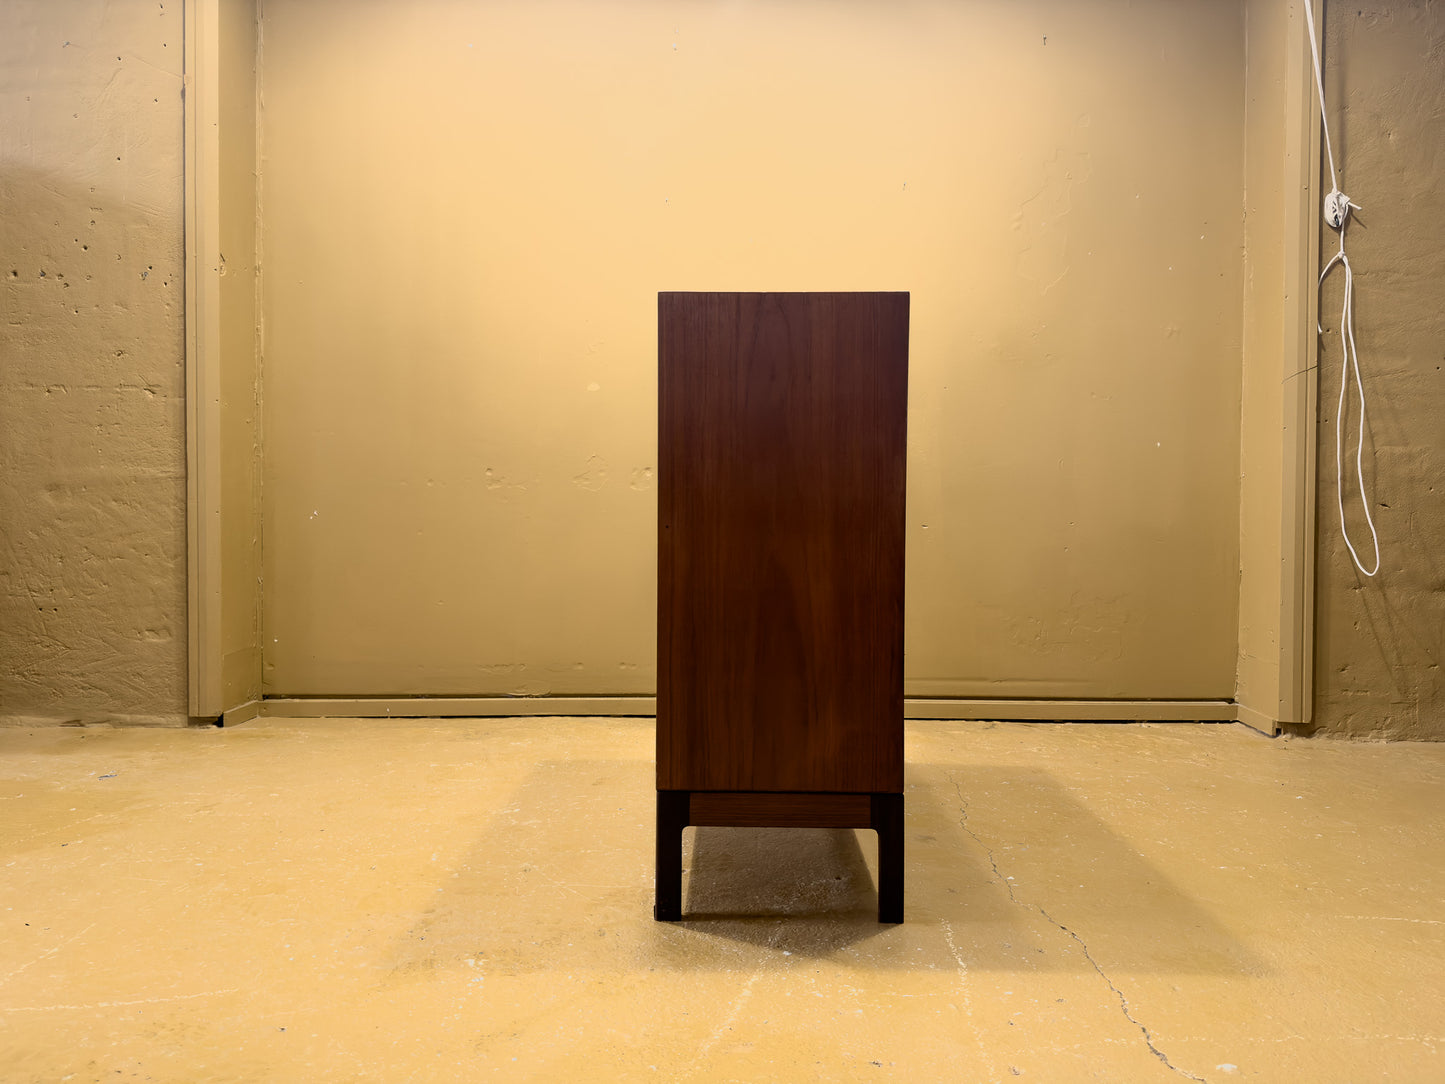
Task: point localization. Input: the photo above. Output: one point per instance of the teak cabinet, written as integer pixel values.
(781, 472)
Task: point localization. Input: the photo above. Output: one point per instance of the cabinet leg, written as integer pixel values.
(672, 816)
(887, 817)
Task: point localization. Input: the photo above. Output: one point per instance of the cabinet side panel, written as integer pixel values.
(781, 523)
(689, 327)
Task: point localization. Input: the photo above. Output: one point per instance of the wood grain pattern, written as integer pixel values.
(781, 471)
(773, 810)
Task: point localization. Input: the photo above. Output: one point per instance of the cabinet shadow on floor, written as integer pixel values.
(1005, 870)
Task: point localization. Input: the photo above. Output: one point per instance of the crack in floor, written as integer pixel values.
(1123, 1002)
(1007, 882)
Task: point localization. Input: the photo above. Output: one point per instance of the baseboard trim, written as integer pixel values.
(1257, 720)
(242, 713)
(436, 707)
(1073, 711)
(446, 707)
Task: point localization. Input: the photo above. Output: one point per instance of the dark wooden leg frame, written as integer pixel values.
(676, 809)
(671, 820)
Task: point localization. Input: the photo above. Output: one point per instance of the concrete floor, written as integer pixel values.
(296, 900)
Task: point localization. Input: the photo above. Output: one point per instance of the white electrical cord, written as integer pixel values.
(1337, 212)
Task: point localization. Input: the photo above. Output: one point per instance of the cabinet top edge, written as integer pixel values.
(783, 293)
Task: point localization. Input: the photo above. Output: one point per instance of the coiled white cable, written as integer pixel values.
(1337, 209)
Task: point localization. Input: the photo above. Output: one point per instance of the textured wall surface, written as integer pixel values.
(1380, 641)
(92, 438)
(469, 210)
(92, 525)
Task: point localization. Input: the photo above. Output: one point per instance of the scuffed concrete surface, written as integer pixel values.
(1380, 641)
(92, 422)
(468, 900)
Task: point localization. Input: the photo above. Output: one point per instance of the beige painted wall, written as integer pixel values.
(469, 210)
(1260, 468)
(240, 375)
(92, 602)
(92, 442)
(1279, 371)
(1381, 641)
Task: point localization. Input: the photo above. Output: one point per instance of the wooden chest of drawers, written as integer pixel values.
(781, 471)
